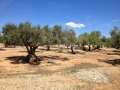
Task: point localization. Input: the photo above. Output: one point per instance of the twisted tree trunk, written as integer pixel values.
(89, 47)
(72, 49)
(48, 47)
(32, 57)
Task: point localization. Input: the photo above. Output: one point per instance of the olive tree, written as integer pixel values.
(1, 38)
(95, 39)
(31, 37)
(70, 39)
(83, 40)
(9, 34)
(47, 36)
(91, 39)
(106, 42)
(57, 34)
(115, 37)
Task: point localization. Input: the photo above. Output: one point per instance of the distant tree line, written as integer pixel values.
(30, 36)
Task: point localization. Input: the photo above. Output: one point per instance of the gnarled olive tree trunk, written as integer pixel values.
(32, 57)
(72, 49)
(48, 47)
(89, 47)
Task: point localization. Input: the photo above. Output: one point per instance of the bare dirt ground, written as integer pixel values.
(98, 70)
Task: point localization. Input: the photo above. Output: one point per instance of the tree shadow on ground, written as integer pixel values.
(26, 51)
(41, 50)
(21, 59)
(16, 59)
(51, 49)
(114, 52)
(77, 52)
(53, 58)
(114, 62)
(1, 49)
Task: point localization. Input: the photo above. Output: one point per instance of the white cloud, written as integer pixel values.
(75, 25)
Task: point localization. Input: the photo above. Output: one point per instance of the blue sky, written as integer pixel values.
(82, 15)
